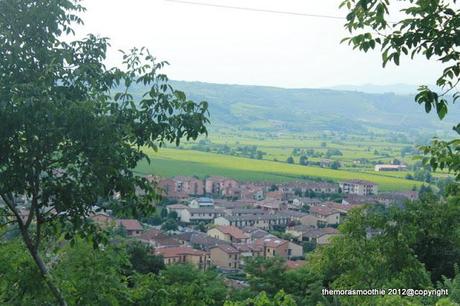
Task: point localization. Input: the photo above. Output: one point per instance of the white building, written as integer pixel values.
(359, 187)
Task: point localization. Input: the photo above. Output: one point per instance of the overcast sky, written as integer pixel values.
(221, 45)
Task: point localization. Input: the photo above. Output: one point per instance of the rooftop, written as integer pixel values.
(323, 210)
(178, 251)
(130, 224)
(227, 248)
(232, 231)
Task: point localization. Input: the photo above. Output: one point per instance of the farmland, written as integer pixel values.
(170, 162)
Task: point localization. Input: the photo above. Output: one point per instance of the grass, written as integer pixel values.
(170, 162)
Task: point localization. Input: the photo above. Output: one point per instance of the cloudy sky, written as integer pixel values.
(224, 45)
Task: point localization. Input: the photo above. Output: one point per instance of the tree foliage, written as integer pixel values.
(426, 28)
(70, 130)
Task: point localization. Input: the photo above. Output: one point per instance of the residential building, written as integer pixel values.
(238, 204)
(266, 222)
(184, 254)
(317, 236)
(245, 211)
(229, 233)
(359, 187)
(320, 236)
(180, 187)
(225, 257)
(251, 249)
(132, 226)
(274, 246)
(196, 215)
(179, 209)
(310, 221)
(255, 232)
(102, 219)
(271, 205)
(217, 184)
(294, 250)
(390, 167)
(198, 240)
(325, 214)
(203, 202)
(158, 239)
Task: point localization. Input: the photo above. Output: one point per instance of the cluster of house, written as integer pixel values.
(241, 219)
(223, 246)
(182, 187)
(243, 227)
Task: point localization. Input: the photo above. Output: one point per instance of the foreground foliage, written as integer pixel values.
(70, 131)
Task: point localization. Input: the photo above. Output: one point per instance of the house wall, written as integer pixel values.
(281, 250)
(221, 221)
(225, 260)
(294, 250)
(310, 221)
(214, 232)
(333, 219)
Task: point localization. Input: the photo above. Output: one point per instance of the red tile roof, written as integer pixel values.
(130, 224)
(272, 242)
(227, 248)
(323, 210)
(178, 251)
(233, 231)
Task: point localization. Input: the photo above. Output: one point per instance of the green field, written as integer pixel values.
(170, 162)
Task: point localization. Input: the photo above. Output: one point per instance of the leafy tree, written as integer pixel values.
(201, 227)
(335, 165)
(423, 175)
(91, 276)
(86, 276)
(169, 225)
(270, 275)
(303, 160)
(416, 245)
(290, 160)
(62, 111)
(20, 282)
(173, 215)
(280, 299)
(426, 28)
(333, 152)
(142, 259)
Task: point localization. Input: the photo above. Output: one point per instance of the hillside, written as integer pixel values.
(171, 162)
(262, 108)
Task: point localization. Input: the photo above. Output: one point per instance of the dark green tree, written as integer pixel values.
(303, 160)
(143, 260)
(71, 131)
(425, 28)
(290, 160)
(335, 165)
(169, 225)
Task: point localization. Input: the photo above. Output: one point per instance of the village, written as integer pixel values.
(220, 222)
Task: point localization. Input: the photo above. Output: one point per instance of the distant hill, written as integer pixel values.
(398, 89)
(277, 109)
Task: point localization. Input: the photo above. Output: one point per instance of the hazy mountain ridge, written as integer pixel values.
(262, 108)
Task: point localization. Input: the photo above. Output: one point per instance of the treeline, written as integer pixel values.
(248, 151)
